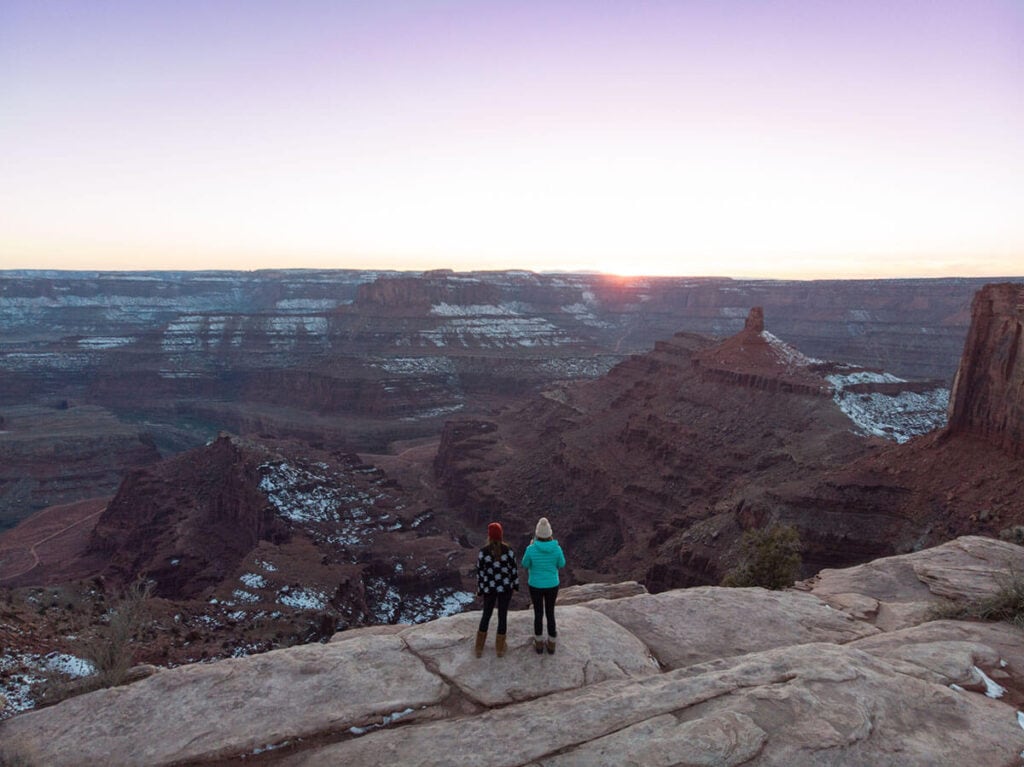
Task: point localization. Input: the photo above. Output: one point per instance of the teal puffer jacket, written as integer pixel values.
(543, 560)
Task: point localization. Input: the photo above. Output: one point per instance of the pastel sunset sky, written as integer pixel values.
(755, 138)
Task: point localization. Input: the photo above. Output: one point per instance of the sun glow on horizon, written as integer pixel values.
(536, 137)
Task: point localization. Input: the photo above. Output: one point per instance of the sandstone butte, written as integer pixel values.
(988, 392)
(845, 669)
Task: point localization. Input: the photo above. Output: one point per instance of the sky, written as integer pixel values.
(746, 138)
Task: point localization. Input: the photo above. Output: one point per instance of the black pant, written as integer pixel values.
(502, 600)
(544, 605)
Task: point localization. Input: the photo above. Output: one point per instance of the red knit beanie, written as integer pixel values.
(494, 531)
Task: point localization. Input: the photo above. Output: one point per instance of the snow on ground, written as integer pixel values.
(417, 365)
(178, 374)
(69, 665)
(31, 361)
(992, 689)
(183, 335)
(254, 580)
(325, 502)
(105, 342)
(283, 330)
(473, 310)
(306, 304)
(579, 367)
(495, 332)
(862, 377)
(897, 417)
(435, 412)
(385, 721)
(786, 353)
(389, 605)
(585, 314)
(299, 494)
(199, 333)
(303, 598)
(384, 599)
(25, 670)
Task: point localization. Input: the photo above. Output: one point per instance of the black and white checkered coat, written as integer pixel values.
(496, 575)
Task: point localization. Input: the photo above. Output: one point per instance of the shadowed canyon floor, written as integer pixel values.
(848, 671)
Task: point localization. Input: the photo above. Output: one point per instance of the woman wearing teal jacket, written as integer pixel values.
(542, 561)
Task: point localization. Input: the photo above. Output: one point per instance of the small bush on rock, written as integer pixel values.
(1006, 604)
(769, 558)
(1013, 534)
(111, 651)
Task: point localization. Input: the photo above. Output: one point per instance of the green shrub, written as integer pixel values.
(769, 558)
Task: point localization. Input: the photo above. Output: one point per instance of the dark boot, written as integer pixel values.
(481, 638)
(551, 646)
(499, 645)
(538, 645)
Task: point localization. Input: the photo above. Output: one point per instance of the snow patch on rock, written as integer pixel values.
(897, 417)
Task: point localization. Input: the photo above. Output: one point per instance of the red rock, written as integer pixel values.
(988, 392)
(187, 522)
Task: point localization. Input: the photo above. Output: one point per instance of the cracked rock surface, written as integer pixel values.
(705, 676)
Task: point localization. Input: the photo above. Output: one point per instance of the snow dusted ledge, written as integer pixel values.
(847, 670)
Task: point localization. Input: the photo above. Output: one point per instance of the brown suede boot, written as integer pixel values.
(538, 645)
(481, 638)
(551, 646)
(499, 645)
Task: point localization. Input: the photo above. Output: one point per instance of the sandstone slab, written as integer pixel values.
(587, 592)
(952, 649)
(804, 705)
(748, 677)
(718, 740)
(908, 586)
(690, 626)
(233, 706)
(591, 648)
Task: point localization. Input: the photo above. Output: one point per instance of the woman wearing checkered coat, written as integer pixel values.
(497, 576)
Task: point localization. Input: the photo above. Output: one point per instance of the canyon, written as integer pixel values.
(358, 361)
(651, 464)
(656, 470)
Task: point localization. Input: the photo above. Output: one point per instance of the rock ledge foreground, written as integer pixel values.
(845, 670)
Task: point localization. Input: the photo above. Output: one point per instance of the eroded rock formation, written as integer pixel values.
(655, 470)
(988, 393)
(967, 478)
(246, 528)
(188, 522)
(849, 673)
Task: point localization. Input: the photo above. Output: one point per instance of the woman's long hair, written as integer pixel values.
(495, 547)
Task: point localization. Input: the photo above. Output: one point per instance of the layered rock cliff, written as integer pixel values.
(988, 392)
(966, 478)
(848, 672)
(187, 523)
(655, 470)
(356, 360)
